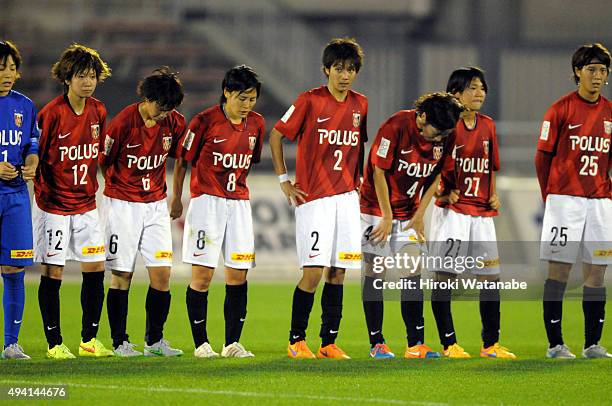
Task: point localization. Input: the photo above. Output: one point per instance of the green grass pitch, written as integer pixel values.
(272, 378)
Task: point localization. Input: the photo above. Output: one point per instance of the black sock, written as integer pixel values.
(235, 310)
(49, 303)
(92, 300)
(157, 306)
(412, 311)
(331, 306)
(553, 310)
(117, 309)
(300, 312)
(197, 306)
(594, 308)
(441, 307)
(373, 308)
(490, 316)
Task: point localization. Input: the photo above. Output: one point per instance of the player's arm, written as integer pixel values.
(178, 178)
(543, 162)
(494, 201)
(383, 228)
(292, 193)
(31, 150)
(29, 169)
(417, 222)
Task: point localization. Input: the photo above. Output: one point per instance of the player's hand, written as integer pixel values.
(7, 171)
(176, 208)
(450, 198)
(28, 172)
(382, 231)
(294, 195)
(417, 223)
(494, 202)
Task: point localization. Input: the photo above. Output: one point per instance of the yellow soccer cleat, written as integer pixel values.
(299, 350)
(496, 351)
(421, 351)
(94, 348)
(60, 351)
(455, 351)
(332, 351)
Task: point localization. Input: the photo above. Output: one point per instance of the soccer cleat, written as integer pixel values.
(596, 351)
(236, 350)
(126, 349)
(332, 351)
(421, 351)
(455, 351)
(161, 349)
(560, 351)
(496, 351)
(205, 351)
(94, 348)
(14, 351)
(299, 350)
(60, 351)
(381, 351)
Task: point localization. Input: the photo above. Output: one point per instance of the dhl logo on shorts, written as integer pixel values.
(163, 255)
(243, 257)
(602, 253)
(93, 250)
(349, 256)
(490, 263)
(22, 254)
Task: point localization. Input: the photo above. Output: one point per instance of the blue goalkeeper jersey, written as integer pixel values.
(18, 135)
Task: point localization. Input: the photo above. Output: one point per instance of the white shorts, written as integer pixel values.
(60, 238)
(460, 242)
(133, 227)
(214, 224)
(397, 240)
(577, 225)
(328, 232)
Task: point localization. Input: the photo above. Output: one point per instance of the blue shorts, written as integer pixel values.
(16, 229)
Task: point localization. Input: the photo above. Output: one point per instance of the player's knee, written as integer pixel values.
(444, 276)
(235, 277)
(11, 269)
(335, 276)
(559, 271)
(53, 271)
(201, 283)
(310, 279)
(121, 280)
(595, 277)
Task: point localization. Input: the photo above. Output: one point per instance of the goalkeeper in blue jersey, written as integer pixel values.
(18, 162)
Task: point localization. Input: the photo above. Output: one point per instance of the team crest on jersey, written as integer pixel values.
(18, 119)
(356, 119)
(608, 127)
(166, 143)
(485, 145)
(95, 131)
(437, 152)
(252, 141)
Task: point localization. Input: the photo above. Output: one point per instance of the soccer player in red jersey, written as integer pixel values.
(329, 124)
(65, 218)
(401, 177)
(221, 143)
(137, 144)
(462, 220)
(573, 163)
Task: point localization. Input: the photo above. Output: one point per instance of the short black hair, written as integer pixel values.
(78, 58)
(8, 48)
(162, 87)
(341, 50)
(441, 109)
(461, 78)
(588, 54)
(240, 78)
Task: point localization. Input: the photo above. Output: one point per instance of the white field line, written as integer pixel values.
(227, 393)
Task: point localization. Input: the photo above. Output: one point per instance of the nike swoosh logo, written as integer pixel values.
(416, 354)
(555, 321)
(373, 333)
(294, 337)
(420, 327)
(294, 353)
(50, 328)
(17, 321)
(459, 146)
(322, 120)
(449, 334)
(313, 256)
(241, 319)
(601, 320)
(197, 255)
(94, 324)
(406, 152)
(52, 255)
(492, 355)
(333, 331)
(198, 321)
(132, 146)
(555, 251)
(571, 127)
(216, 141)
(63, 136)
